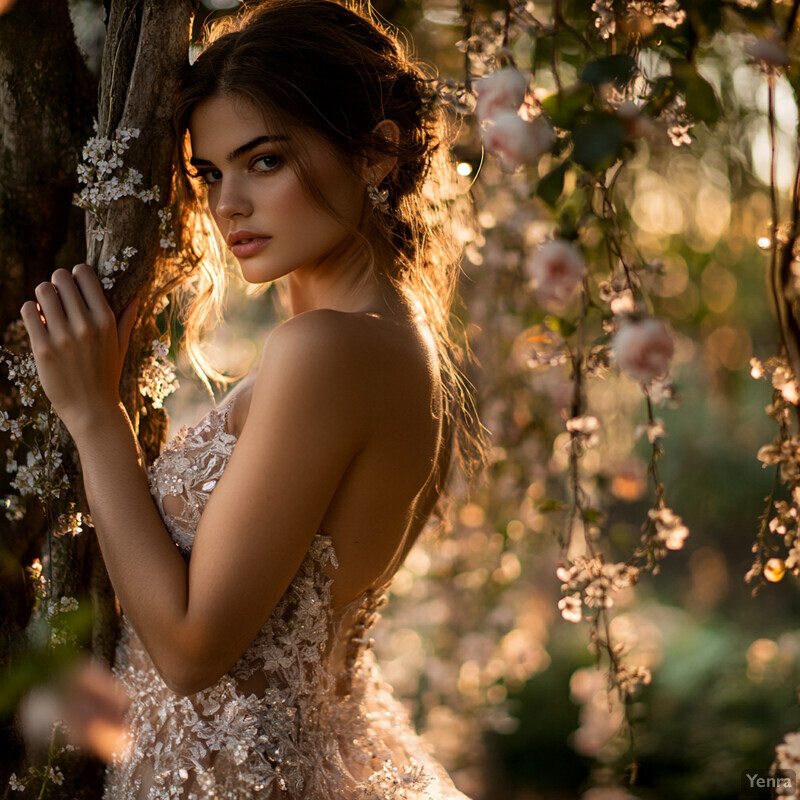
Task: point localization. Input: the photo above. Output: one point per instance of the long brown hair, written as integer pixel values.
(337, 72)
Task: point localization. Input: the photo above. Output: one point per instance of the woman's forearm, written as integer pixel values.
(148, 573)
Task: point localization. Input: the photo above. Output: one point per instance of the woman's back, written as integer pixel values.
(387, 493)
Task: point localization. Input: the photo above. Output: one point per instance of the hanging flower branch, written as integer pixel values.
(588, 277)
(778, 531)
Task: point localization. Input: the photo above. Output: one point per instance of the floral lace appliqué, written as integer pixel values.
(304, 713)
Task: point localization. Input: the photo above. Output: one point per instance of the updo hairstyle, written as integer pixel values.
(332, 70)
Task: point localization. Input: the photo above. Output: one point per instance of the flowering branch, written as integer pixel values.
(779, 520)
(586, 132)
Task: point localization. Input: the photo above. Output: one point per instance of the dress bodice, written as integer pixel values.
(302, 714)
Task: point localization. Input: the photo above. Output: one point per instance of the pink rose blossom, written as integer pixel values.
(643, 349)
(503, 90)
(516, 141)
(557, 269)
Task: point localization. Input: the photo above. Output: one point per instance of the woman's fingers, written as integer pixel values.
(71, 304)
(51, 308)
(92, 291)
(34, 324)
(71, 298)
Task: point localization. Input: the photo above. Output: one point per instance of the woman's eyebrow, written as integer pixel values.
(240, 151)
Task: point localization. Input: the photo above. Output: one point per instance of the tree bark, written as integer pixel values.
(46, 109)
(145, 52)
(47, 99)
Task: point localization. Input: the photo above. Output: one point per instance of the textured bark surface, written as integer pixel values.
(145, 52)
(47, 99)
(47, 102)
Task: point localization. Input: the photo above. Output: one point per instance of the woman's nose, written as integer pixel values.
(233, 200)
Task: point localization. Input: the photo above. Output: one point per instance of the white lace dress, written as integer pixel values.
(303, 714)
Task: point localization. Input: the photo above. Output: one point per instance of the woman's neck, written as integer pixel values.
(354, 290)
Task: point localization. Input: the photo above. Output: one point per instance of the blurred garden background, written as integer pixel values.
(504, 686)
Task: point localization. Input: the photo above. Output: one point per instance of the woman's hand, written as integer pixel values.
(78, 345)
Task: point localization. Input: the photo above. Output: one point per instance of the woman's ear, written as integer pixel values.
(378, 164)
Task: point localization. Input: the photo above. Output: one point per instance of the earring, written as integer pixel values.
(378, 197)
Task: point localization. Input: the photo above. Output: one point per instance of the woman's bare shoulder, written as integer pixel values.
(352, 357)
(355, 344)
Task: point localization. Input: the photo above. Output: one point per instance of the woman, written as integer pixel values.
(246, 648)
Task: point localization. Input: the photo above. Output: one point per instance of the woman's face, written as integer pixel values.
(263, 211)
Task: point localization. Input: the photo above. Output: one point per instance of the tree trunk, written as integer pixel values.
(46, 107)
(46, 111)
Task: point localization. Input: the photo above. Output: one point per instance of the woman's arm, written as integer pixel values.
(147, 571)
(308, 419)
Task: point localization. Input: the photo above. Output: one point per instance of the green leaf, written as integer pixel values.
(559, 325)
(597, 143)
(564, 106)
(663, 91)
(542, 55)
(701, 99)
(618, 69)
(572, 211)
(592, 516)
(552, 184)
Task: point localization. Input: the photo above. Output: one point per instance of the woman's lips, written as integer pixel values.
(251, 247)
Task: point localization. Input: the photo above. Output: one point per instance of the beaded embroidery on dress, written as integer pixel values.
(304, 713)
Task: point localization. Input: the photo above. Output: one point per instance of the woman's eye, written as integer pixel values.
(266, 163)
(210, 176)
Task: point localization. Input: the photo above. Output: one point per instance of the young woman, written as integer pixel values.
(246, 647)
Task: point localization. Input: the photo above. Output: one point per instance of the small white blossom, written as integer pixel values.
(158, 379)
(756, 368)
(167, 241)
(15, 783)
(679, 134)
(654, 430)
(605, 21)
(669, 527)
(630, 677)
(160, 348)
(105, 181)
(585, 428)
(112, 267)
(658, 12)
(571, 608)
